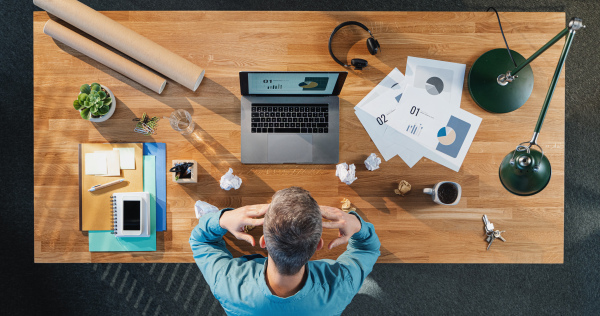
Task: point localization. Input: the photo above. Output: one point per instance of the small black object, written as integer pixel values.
(502, 31)
(372, 46)
(181, 167)
(359, 64)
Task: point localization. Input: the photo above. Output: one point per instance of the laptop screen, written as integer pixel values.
(292, 83)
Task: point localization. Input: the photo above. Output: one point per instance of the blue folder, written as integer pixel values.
(160, 151)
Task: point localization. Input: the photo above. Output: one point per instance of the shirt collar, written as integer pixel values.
(299, 295)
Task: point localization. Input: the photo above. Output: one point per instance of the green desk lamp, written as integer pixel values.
(524, 171)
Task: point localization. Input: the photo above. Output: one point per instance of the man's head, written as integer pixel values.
(292, 229)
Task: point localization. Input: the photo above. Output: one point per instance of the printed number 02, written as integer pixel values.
(381, 119)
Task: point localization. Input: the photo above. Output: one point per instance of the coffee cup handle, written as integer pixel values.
(428, 191)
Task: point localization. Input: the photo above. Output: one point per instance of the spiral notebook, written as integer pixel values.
(120, 213)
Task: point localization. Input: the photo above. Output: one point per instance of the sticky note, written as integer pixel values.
(112, 163)
(95, 163)
(126, 157)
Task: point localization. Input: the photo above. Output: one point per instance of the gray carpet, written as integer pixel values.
(162, 289)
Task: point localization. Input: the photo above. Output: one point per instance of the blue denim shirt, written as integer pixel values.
(239, 283)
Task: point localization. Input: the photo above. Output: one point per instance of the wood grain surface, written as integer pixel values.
(412, 229)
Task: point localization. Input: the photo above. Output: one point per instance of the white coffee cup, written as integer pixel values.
(434, 192)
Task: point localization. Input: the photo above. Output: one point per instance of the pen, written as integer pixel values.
(102, 186)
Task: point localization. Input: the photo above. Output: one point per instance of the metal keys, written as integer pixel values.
(498, 235)
(488, 226)
(491, 233)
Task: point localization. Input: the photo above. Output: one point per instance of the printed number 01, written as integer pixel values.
(381, 120)
(414, 110)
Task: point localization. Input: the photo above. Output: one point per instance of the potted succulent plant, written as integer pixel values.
(95, 102)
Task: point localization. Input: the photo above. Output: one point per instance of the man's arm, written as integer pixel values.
(361, 253)
(363, 244)
(209, 248)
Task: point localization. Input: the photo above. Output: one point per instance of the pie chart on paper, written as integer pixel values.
(434, 85)
(446, 136)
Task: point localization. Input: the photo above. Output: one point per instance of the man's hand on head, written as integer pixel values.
(235, 220)
(347, 224)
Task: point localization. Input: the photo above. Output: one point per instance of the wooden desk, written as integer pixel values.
(411, 228)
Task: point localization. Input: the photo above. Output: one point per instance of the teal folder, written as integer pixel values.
(159, 150)
(104, 240)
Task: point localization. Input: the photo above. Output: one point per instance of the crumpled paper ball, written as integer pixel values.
(202, 208)
(229, 181)
(403, 188)
(347, 206)
(347, 174)
(372, 162)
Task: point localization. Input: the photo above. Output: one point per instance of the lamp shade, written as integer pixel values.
(525, 173)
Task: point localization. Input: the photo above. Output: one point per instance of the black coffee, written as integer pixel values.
(447, 193)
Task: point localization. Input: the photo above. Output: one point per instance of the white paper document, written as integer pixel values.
(419, 115)
(384, 97)
(439, 79)
(388, 148)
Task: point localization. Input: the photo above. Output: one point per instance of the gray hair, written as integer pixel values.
(292, 229)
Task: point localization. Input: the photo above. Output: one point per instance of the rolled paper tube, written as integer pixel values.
(112, 60)
(125, 40)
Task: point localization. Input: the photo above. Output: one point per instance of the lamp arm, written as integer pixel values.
(541, 50)
(561, 62)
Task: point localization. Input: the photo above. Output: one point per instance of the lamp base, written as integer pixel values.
(527, 174)
(484, 87)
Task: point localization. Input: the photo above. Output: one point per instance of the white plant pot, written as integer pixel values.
(113, 105)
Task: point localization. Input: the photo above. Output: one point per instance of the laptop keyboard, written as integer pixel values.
(290, 118)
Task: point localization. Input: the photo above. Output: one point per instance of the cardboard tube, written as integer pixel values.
(112, 60)
(125, 40)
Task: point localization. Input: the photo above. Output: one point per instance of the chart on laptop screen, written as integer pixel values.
(291, 83)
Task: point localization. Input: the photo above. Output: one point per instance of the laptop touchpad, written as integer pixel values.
(290, 148)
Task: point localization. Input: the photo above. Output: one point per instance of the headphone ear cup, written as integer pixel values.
(358, 63)
(372, 45)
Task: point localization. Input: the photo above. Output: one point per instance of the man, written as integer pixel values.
(286, 282)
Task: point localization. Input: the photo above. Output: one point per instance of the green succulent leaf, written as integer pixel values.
(82, 97)
(85, 88)
(102, 95)
(95, 87)
(86, 104)
(85, 114)
(107, 101)
(102, 110)
(76, 105)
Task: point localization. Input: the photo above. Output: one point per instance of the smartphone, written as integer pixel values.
(132, 215)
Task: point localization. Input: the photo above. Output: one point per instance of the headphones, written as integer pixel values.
(372, 46)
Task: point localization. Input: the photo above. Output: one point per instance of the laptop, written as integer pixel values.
(290, 117)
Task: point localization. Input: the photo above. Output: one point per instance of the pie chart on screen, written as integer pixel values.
(434, 85)
(446, 136)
